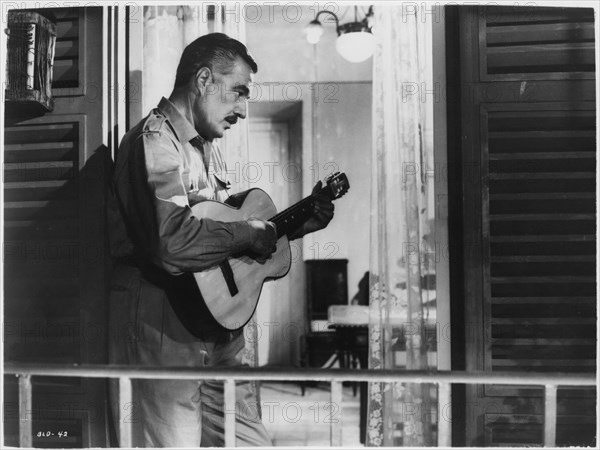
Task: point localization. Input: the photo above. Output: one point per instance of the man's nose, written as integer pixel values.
(241, 108)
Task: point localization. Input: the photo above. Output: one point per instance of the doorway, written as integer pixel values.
(275, 166)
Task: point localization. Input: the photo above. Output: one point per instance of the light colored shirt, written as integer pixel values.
(163, 167)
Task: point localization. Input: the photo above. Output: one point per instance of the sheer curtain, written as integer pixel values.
(402, 330)
(167, 31)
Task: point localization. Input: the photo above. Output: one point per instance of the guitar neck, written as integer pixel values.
(289, 220)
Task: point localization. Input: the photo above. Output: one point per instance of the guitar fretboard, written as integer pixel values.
(289, 220)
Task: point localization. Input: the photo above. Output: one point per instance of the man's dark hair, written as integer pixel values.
(217, 51)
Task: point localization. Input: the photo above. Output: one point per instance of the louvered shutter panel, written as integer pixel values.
(529, 122)
(54, 243)
(41, 215)
(536, 43)
(542, 223)
(66, 55)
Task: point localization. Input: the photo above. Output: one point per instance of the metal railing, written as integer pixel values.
(336, 377)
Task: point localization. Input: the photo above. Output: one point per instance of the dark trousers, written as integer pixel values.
(145, 330)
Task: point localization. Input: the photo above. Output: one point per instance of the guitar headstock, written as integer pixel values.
(337, 185)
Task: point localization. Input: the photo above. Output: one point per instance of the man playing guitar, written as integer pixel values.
(165, 165)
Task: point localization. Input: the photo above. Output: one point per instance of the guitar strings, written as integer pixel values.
(290, 211)
(295, 208)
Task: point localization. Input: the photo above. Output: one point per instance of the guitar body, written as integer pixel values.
(234, 311)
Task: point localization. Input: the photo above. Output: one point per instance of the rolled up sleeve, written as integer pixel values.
(184, 242)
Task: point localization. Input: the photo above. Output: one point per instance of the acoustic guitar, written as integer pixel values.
(232, 289)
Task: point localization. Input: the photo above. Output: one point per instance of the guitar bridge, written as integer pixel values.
(228, 275)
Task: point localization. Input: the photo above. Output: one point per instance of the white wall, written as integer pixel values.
(283, 55)
(343, 140)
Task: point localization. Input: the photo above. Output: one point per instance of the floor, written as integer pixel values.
(296, 420)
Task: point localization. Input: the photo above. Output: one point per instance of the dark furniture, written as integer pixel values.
(327, 283)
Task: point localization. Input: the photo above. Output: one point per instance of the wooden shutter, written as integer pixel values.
(536, 43)
(42, 242)
(54, 267)
(540, 280)
(529, 170)
(66, 55)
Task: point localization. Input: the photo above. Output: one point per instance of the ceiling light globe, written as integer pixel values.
(355, 46)
(313, 32)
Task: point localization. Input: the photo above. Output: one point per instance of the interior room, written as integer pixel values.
(450, 301)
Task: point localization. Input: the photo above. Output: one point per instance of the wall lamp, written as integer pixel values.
(355, 41)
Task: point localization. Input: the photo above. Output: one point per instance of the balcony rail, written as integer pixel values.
(336, 377)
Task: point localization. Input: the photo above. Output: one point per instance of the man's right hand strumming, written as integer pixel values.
(264, 240)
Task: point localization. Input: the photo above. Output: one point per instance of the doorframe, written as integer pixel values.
(455, 217)
(274, 110)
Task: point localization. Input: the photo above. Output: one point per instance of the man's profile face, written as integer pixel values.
(224, 101)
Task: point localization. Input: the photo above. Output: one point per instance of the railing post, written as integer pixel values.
(335, 424)
(229, 413)
(125, 405)
(550, 415)
(444, 415)
(25, 411)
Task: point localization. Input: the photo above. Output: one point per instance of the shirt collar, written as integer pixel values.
(183, 128)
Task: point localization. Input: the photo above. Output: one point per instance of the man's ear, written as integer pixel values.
(202, 78)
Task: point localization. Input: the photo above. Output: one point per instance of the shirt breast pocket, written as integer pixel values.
(199, 189)
(222, 185)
